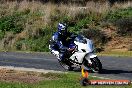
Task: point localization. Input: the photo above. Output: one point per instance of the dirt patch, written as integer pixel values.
(119, 44)
(8, 75)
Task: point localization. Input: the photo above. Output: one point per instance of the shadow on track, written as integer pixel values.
(105, 71)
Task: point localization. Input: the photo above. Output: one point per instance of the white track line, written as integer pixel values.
(29, 69)
(39, 70)
(100, 77)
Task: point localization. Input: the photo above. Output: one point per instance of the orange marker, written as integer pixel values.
(85, 81)
(84, 73)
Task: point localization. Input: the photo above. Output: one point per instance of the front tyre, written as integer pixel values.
(96, 65)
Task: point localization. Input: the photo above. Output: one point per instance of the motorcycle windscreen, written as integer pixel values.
(90, 47)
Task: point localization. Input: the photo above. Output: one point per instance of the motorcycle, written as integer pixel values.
(80, 53)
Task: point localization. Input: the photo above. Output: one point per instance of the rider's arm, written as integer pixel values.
(55, 38)
(72, 35)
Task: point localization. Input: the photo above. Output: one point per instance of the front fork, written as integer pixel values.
(87, 61)
(89, 56)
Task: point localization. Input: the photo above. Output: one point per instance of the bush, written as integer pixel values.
(124, 27)
(119, 14)
(39, 42)
(9, 23)
(14, 23)
(81, 24)
(1, 34)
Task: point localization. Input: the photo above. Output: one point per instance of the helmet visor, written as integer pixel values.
(63, 29)
(63, 32)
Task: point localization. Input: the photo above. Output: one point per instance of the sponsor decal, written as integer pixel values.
(85, 81)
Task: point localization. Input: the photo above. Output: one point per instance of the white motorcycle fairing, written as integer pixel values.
(84, 50)
(82, 55)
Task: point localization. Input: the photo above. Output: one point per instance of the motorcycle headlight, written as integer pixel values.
(92, 45)
(84, 41)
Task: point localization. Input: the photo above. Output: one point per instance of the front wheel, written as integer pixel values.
(95, 65)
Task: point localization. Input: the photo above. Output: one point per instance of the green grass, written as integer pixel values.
(116, 53)
(65, 80)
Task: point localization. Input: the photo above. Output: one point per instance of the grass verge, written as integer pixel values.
(110, 53)
(50, 80)
(116, 53)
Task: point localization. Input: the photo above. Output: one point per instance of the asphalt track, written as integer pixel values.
(113, 67)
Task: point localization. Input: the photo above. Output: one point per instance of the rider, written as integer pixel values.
(60, 41)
